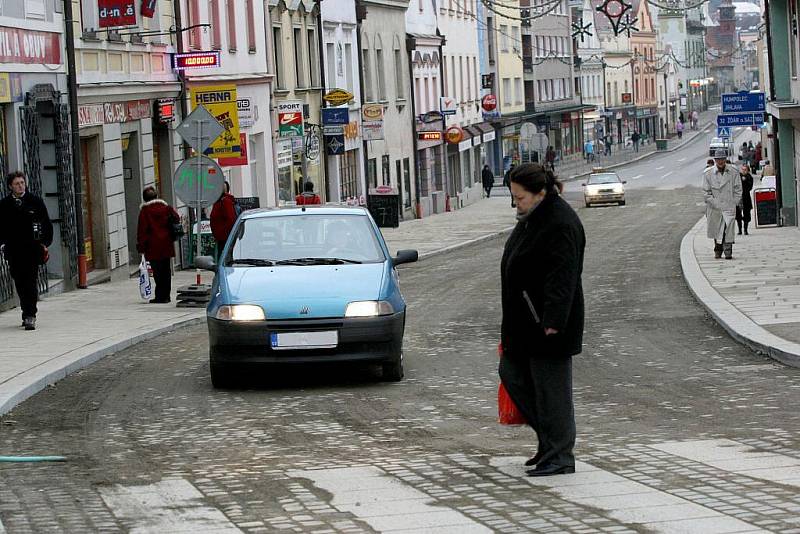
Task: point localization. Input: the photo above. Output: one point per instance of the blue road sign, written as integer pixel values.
(335, 115)
(723, 131)
(740, 119)
(744, 101)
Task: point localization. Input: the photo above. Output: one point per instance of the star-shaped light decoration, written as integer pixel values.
(614, 10)
(579, 29)
(629, 25)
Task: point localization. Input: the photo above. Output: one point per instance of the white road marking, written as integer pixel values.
(172, 505)
(386, 503)
(670, 172)
(651, 204)
(735, 457)
(659, 168)
(682, 159)
(637, 177)
(627, 501)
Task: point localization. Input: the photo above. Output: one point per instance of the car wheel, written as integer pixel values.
(622, 203)
(221, 377)
(588, 205)
(393, 371)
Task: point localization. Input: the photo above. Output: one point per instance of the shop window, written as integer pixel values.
(277, 51)
(347, 175)
(372, 173)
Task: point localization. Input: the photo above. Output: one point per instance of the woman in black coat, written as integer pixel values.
(542, 328)
(743, 210)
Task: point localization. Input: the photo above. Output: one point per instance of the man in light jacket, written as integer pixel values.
(722, 189)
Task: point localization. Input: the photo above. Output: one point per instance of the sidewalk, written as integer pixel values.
(77, 328)
(755, 296)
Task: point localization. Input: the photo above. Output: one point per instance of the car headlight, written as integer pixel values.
(619, 189)
(240, 312)
(368, 308)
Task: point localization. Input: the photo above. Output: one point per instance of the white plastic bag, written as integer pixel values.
(145, 284)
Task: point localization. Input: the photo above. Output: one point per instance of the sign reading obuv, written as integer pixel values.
(744, 101)
(740, 119)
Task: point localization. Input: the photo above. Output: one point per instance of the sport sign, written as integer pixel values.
(290, 119)
(220, 101)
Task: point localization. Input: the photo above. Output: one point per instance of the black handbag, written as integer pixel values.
(176, 230)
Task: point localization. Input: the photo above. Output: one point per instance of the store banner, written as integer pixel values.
(116, 13)
(239, 160)
(220, 101)
(28, 46)
(149, 8)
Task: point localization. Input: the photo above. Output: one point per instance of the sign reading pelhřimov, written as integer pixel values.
(220, 101)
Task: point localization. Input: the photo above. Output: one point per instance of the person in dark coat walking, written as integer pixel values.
(154, 240)
(487, 179)
(746, 206)
(25, 234)
(543, 314)
(223, 216)
(507, 182)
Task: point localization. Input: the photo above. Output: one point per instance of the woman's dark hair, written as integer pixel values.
(10, 177)
(227, 186)
(534, 178)
(149, 193)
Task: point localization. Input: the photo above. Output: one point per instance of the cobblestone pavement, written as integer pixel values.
(680, 428)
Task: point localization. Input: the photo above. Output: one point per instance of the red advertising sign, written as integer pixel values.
(28, 46)
(116, 13)
(196, 60)
(241, 159)
(489, 103)
(429, 136)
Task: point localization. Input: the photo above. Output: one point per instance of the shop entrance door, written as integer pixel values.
(132, 179)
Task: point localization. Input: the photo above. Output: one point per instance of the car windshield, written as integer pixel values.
(603, 178)
(308, 239)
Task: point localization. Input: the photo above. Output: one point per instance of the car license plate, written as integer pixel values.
(304, 340)
(606, 191)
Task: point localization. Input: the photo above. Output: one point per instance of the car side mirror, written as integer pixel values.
(624, 181)
(405, 256)
(206, 263)
(583, 185)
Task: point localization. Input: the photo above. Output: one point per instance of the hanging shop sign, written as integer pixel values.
(448, 105)
(290, 119)
(246, 112)
(337, 97)
(489, 102)
(487, 81)
(196, 60)
(431, 116)
(27, 46)
(116, 13)
(351, 130)
(165, 110)
(627, 98)
(335, 115)
(113, 112)
(149, 8)
(220, 101)
(429, 136)
(372, 122)
(334, 145)
(454, 135)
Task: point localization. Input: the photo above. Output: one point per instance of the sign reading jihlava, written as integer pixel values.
(116, 13)
(220, 101)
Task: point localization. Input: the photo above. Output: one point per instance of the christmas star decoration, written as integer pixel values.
(579, 29)
(629, 25)
(614, 10)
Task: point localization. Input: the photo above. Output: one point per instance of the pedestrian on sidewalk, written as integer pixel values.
(550, 158)
(679, 129)
(608, 142)
(25, 234)
(543, 313)
(722, 190)
(308, 197)
(758, 157)
(635, 140)
(487, 179)
(746, 206)
(224, 213)
(507, 182)
(695, 118)
(154, 240)
(589, 150)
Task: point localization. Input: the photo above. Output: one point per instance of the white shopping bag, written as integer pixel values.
(145, 284)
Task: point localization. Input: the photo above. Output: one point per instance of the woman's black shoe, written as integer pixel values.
(550, 469)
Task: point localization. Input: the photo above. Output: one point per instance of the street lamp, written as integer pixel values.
(666, 104)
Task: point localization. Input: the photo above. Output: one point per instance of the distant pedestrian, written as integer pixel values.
(487, 180)
(679, 129)
(746, 205)
(695, 119)
(608, 142)
(743, 152)
(25, 234)
(223, 215)
(635, 138)
(543, 314)
(722, 190)
(550, 158)
(507, 182)
(308, 197)
(154, 240)
(757, 157)
(589, 150)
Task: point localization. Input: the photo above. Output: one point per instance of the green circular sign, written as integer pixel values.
(201, 172)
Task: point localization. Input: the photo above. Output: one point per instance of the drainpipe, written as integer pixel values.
(323, 154)
(72, 89)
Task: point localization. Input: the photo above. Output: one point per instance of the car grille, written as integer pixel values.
(292, 325)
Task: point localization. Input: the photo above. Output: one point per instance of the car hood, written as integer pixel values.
(322, 290)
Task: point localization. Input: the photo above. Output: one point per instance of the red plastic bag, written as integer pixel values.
(507, 411)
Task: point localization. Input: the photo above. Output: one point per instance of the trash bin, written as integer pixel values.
(383, 203)
(661, 144)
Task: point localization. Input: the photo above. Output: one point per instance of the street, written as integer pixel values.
(669, 409)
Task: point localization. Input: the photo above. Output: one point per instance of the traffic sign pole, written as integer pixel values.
(198, 275)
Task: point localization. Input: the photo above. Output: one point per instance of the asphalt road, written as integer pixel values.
(149, 442)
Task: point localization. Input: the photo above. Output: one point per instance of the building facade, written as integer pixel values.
(592, 75)
(644, 68)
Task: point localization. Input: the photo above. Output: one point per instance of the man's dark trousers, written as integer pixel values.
(162, 273)
(542, 390)
(25, 280)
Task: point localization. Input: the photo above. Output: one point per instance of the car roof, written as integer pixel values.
(304, 210)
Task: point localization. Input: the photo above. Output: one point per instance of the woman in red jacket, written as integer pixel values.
(223, 216)
(154, 240)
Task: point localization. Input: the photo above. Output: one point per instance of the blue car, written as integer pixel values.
(304, 285)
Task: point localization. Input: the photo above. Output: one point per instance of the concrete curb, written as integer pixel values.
(737, 324)
(38, 378)
(451, 248)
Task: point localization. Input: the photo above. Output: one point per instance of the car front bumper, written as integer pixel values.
(603, 198)
(359, 339)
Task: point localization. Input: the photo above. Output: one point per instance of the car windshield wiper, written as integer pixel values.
(316, 261)
(257, 262)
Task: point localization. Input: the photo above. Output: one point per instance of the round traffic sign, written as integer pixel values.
(199, 172)
(489, 102)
